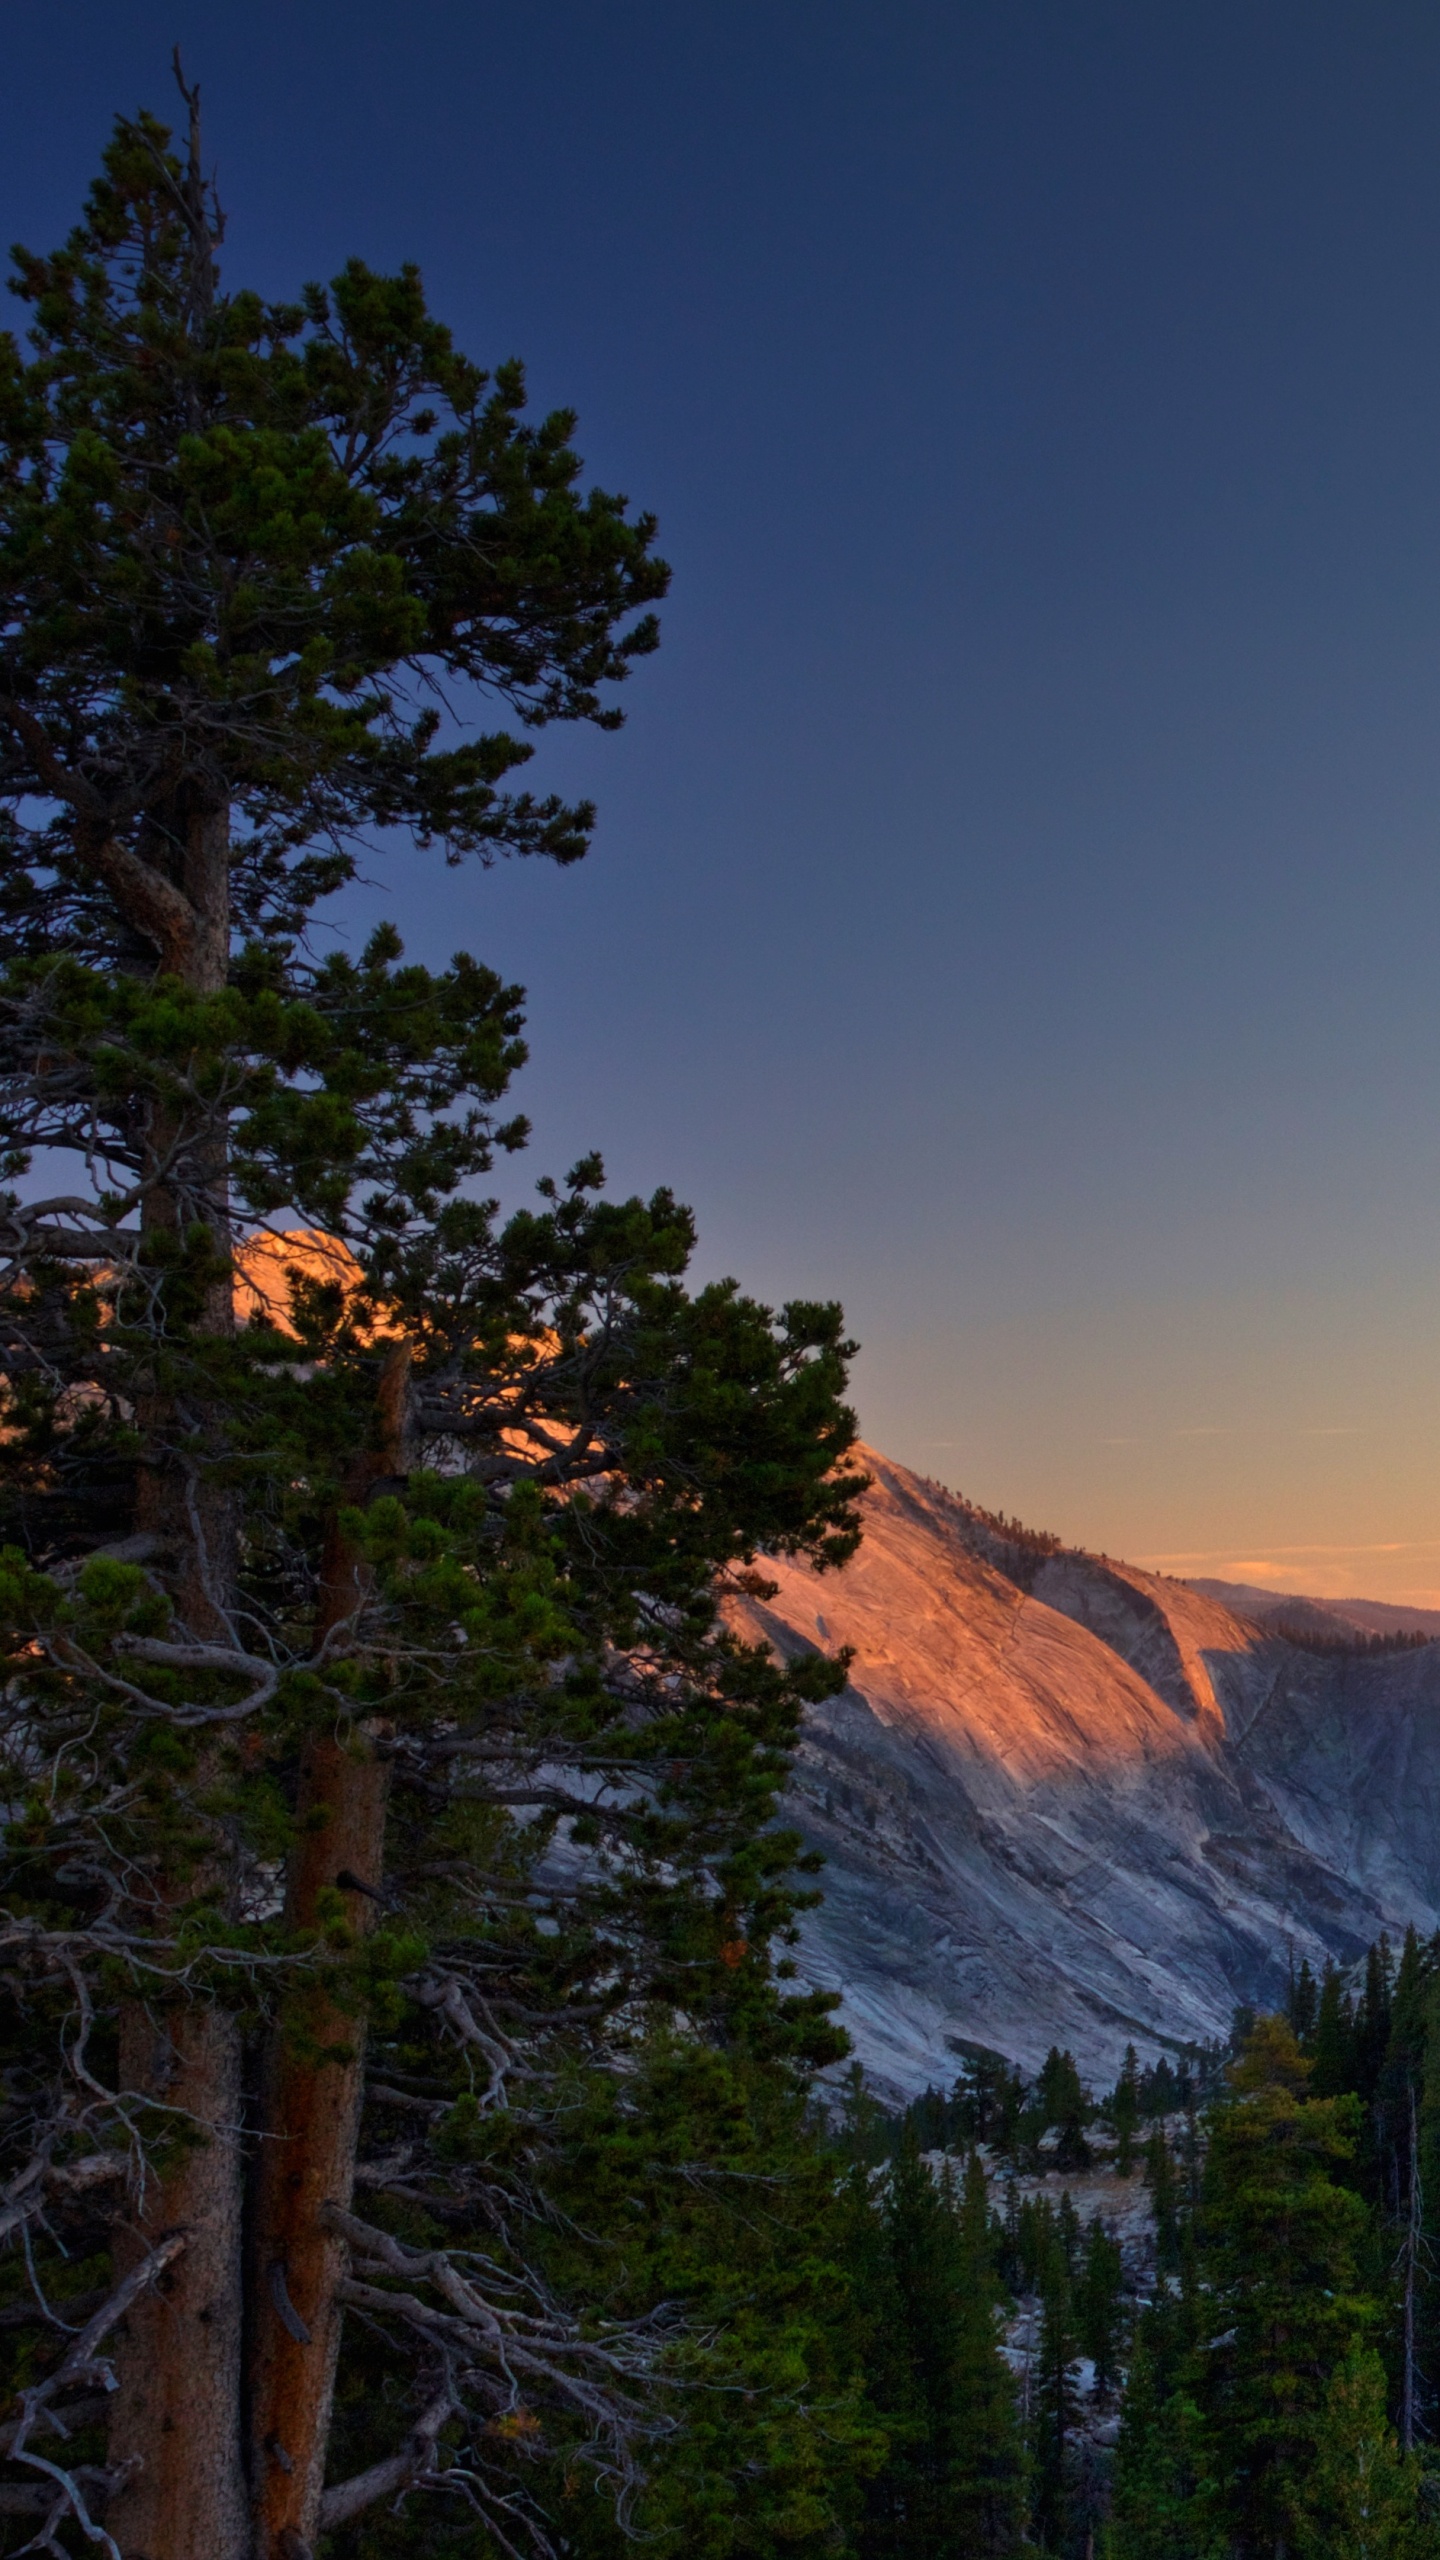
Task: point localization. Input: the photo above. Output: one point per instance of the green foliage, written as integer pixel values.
(1281, 2238)
(1056, 2403)
(1155, 2512)
(1099, 2318)
(1361, 2498)
(246, 549)
(249, 537)
(952, 2484)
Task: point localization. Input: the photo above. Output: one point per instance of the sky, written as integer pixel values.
(1015, 909)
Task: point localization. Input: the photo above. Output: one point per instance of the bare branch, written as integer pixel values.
(350, 2498)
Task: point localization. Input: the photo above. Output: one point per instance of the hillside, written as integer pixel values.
(1300, 1609)
(1062, 1799)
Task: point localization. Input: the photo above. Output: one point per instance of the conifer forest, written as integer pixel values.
(414, 2135)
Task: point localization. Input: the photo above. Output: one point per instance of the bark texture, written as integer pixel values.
(307, 2161)
(315, 2082)
(176, 2415)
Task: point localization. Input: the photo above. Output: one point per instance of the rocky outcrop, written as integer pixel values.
(1062, 1800)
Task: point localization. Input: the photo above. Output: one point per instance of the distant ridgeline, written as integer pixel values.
(1345, 1640)
(1153, 2255)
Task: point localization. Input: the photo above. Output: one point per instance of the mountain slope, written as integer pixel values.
(1064, 1800)
(1296, 1609)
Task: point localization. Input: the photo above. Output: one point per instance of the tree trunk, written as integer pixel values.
(307, 2161)
(313, 2105)
(176, 2415)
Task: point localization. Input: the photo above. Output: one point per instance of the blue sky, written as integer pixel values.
(1016, 905)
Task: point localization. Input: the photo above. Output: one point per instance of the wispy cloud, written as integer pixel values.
(1416, 1547)
(1375, 1570)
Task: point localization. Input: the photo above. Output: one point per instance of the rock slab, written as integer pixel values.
(1065, 1801)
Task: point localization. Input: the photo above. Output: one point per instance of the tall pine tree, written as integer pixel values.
(951, 2485)
(1279, 2248)
(387, 1795)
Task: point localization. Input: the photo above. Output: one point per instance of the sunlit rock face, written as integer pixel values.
(1064, 1801)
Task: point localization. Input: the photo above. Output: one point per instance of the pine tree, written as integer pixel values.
(1154, 2511)
(980, 2231)
(1373, 2017)
(1395, 2126)
(1302, 2005)
(1332, 2058)
(1098, 2317)
(1054, 2402)
(1125, 2111)
(1361, 2497)
(1060, 2101)
(695, 2181)
(372, 1734)
(1280, 2242)
(952, 2483)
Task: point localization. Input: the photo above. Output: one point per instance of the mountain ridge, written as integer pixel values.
(1305, 1608)
(1065, 1800)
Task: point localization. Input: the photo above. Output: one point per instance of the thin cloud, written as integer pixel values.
(1382, 1547)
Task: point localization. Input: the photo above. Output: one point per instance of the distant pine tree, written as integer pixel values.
(1397, 2175)
(1153, 2511)
(987, 2101)
(1372, 2018)
(1280, 2241)
(1303, 2004)
(1361, 2497)
(1332, 2053)
(952, 2486)
(979, 2228)
(1061, 2102)
(1098, 2318)
(1054, 2402)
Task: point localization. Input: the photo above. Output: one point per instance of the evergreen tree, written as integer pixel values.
(1398, 2179)
(1361, 2498)
(1054, 2402)
(1332, 2059)
(1124, 2111)
(952, 2485)
(865, 2132)
(987, 2102)
(979, 2229)
(1279, 2247)
(372, 1737)
(1302, 2005)
(1060, 2101)
(696, 2182)
(1427, 2132)
(1154, 2510)
(1373, 2018)
(1098, 2316)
